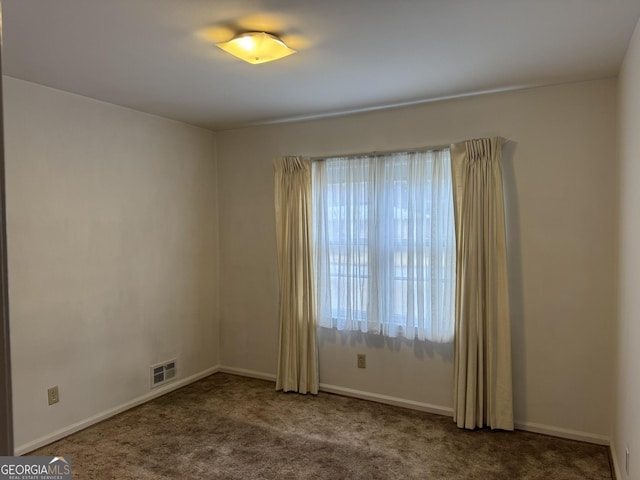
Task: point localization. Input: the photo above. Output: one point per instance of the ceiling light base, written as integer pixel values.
(256, 47)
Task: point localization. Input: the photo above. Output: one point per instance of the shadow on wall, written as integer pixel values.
(514, 266)
(421, 348)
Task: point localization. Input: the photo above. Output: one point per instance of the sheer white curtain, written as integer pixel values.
(298, 348)
(385, 245)
(482, 347)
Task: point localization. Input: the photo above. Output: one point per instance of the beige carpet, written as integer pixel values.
(229, 427)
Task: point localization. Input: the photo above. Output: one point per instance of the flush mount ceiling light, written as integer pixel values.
(256, 47)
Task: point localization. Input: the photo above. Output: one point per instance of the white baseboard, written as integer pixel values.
(398, 402)
(247, 373)
(614, 458)
(437, 409)
(348, 392)
(81, 425)
(563, 433)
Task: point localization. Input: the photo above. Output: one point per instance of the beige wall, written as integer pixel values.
(113, 227)
(562, 202)
(627, 422)
(112, 240)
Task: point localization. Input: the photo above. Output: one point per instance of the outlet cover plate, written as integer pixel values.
(626, 460)
(362, 360)
(53, 394)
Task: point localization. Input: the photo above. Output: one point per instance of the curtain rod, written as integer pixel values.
(380, 152)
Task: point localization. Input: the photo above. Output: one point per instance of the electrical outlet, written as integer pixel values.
(362, 360)
(53, 394)
(626, 461)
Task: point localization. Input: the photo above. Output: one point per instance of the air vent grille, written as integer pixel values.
(163, 373)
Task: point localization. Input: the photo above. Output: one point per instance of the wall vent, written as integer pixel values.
(162, 373)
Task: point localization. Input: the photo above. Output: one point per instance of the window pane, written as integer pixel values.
(384, 244)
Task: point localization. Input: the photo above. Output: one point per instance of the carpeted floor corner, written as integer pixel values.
(229, 427)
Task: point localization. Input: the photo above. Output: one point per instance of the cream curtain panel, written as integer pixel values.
(482, 345)
(298, 352)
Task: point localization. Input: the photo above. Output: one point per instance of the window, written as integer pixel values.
(384, 244)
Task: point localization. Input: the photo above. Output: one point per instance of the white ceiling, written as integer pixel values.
(157, 56)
